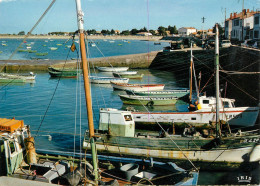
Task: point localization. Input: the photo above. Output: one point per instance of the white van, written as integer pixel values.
(225, 43)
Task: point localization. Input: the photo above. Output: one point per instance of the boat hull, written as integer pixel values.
(232, 149)
(242, 116)
(175, 93)
(107, 80)
(137, 87)
(130, 76)
(66, 73)
(148, 101)
(112, 69)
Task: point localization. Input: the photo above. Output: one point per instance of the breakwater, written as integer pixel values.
(132, 61)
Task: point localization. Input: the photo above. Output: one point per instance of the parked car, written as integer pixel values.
(246, 43)
(225, 43)
(183, 42)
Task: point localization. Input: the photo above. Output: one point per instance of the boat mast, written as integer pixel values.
(217, 80)
(80, 15)
(191, 64)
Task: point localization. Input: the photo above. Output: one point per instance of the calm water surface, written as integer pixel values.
(118, 47)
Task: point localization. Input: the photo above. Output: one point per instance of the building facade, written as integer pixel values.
(186, 31)
(240, 26)
(256, 29)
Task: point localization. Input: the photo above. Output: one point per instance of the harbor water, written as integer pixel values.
(55, 108)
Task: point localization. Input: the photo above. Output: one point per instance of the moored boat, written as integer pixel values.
(130, 76)
(11, 80)
(147, 100)
(107, 80)
(41, 54)
(118, 135)
(112, 69)
(53, 48)
(126, 73)
(177, 93)
(205, 113)
(17, 78)
(63, 72)
(137, 87)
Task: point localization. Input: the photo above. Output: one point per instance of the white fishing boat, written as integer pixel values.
(112, 69)
(53, 48)
(126, 73)
(205, 113)
(26, 77)
(107, 80)
(137, 87)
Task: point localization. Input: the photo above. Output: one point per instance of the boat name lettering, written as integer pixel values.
(251, 140)
(234, 116)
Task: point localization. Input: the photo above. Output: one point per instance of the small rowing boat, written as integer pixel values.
(112, 69)
(147, 100)
(107, 80)
(137, 87)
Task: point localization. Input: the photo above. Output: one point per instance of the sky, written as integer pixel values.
(21, 15)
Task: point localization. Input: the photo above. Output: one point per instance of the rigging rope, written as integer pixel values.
(29, 33)
(237, 72)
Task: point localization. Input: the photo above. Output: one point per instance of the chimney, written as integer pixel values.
(244, 12)
(231, 16)
(235, 14)
(247, 11)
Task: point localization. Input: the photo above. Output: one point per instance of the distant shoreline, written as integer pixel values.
(116, 37)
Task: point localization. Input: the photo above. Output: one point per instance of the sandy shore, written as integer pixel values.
(117, 37)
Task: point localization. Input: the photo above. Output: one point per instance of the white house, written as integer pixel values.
(186, 31)
(256, 29)
(240, 26)
(144, 34)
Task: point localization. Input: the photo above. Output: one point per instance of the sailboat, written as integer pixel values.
(117, 135)
(16, 143)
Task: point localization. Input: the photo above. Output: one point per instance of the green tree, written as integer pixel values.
(93, 31)
(152, 32)
(162, 30)
(112, 31)
(170, 28)
(143, 30)
(220, 29)
(21, 33)
(125, 32)
(134, 31)
(175, 31)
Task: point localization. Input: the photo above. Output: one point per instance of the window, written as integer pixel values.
(256, 34)
(236, 22)
(206, 101)
(193, 118)
(256, 20)
(226, 104)
(128, 117)
(12, 147)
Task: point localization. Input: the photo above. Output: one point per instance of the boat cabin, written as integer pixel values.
(12, 146)
(210, 102)
(117, 122)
